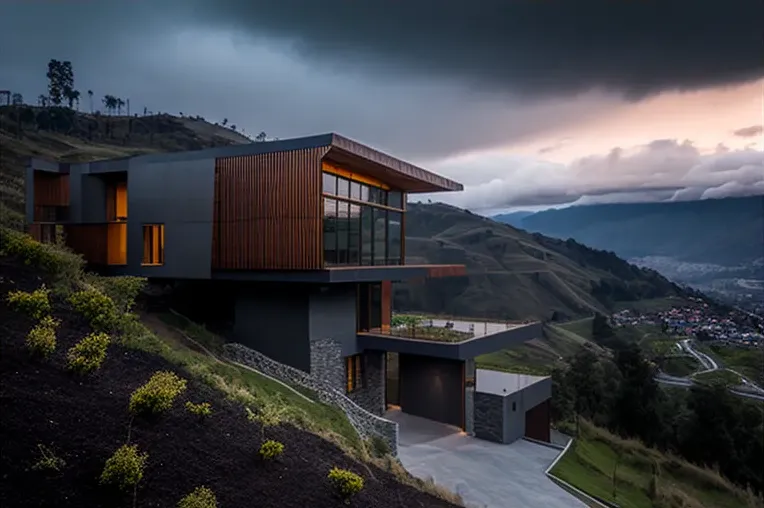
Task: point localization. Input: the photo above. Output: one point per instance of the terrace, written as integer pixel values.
(454, 339)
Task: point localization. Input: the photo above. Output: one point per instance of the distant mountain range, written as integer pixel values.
(514, 274)
(727, 232)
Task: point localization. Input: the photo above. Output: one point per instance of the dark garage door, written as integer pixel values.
(537, 422)
(432, 388)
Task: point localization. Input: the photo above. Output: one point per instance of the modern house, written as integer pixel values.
(308, 233)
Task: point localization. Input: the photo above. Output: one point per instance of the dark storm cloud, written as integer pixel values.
(533, 47)
(749, 132)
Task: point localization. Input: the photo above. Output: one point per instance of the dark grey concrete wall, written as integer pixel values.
(431, 388)
(333, 316)
(29, 194)
(276, 323)
(179, 195)
(88, 197)
(489, 417)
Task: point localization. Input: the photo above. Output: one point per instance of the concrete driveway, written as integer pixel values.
(485, 474)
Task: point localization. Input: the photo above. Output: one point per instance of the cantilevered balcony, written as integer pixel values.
(454, 339)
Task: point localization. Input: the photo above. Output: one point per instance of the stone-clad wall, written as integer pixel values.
(367, 424)
(371, 396)
(489, 417)
(326, 363)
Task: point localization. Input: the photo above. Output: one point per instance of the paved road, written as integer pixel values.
(709, 364)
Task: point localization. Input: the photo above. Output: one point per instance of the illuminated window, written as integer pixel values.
(153, 244)
(354, 372)
(121, 201)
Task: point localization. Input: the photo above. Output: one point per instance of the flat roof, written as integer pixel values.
(340, 149)
(503, 338)
(503, 383)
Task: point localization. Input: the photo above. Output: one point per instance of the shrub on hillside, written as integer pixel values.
(201, 497)
(41, 340)
(48, 460)
(35, 304)
(122, 290)
(54, 259)
(271, 449)
(157, 394)
(96, 307)
(125, 468)
(202, 409)
(267, 415)
(88, 354)
(345, 483)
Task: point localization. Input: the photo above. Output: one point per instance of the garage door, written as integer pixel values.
(432, 388)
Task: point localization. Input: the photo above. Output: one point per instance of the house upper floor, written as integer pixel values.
(320, 206)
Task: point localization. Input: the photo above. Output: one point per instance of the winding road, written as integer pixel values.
(748, 389)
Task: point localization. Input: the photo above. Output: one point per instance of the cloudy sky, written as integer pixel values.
(527, 102)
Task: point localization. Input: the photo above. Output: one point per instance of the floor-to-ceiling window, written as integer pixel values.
(363, 220)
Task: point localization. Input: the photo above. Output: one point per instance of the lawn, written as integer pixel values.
(597, 456)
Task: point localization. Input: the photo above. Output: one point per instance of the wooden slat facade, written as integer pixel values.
(90, 240)
(268, 211)
(51, 189)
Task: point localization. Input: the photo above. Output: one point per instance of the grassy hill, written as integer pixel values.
(59, 426)
(514, 274)
(693, 231)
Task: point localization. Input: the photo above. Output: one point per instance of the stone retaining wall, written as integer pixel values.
(367, 424)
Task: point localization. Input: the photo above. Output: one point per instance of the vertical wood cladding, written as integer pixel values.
(51, 189)
(537, 421)
(90, 240)
(268, 210)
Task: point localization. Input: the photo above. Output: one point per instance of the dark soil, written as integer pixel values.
(84, 420)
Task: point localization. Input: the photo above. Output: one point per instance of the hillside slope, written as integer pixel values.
(726, 232)
(514, 274)
(58, 428)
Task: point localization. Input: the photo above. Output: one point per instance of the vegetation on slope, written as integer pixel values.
(704, 425)
(628, 473)
(60, 427)
(513, 274)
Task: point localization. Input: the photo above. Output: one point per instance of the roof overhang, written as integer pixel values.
(338, 275)
(465, 350)
(397, 173)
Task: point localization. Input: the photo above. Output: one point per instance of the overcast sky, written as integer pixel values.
(527, 102)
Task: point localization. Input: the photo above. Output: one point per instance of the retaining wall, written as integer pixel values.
(367, 424)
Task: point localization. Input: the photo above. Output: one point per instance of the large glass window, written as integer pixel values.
(367, 235)
(330, 231)
(343, 187)
(330, 183)
(354, 373)
(361, 234)
(380, 236)
(394, 237)
(354, 235)
(343, 231)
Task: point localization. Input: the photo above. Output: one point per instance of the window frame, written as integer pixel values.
(160, 238)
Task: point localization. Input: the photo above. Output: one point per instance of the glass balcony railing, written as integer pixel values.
(443, 330)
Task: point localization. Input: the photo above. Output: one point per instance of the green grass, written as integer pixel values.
(659, 347)
(596, 456)
(722, 377)
(581, 327)
(680, 366)
(749, 362)
(245, 385)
